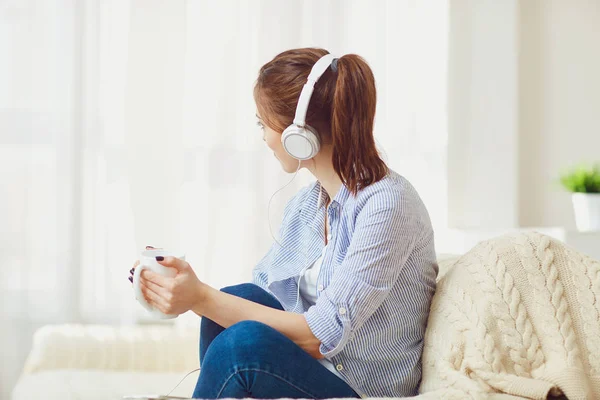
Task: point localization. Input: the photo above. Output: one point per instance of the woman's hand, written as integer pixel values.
(171, 295)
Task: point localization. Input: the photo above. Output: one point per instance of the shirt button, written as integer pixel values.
(329, 236)
(342, 311)
(339, 367)
(320, 288)
(333, 205)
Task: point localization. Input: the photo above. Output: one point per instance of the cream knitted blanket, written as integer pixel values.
(515, 317)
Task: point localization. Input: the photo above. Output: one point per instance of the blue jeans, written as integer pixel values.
(251, 359)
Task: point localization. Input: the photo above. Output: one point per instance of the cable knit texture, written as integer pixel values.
(515, 317)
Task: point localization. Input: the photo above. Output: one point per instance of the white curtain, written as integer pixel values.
(126, 123)
(39, 173)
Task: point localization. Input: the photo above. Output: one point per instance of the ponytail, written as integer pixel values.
(342, 109)
(355, 156)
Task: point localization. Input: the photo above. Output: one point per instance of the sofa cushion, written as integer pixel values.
(151, 348)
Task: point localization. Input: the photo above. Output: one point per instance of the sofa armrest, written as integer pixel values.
(151, 348)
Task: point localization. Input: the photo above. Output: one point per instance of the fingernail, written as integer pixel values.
(130, 279)
(159, 258)
(131, 270)
(149, 247)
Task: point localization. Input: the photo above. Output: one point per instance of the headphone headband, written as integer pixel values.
(315, 73)
(300, 140)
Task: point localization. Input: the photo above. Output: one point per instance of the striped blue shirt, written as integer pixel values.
(377, 278)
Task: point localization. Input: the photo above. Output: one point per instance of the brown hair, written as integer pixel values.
(341, 109)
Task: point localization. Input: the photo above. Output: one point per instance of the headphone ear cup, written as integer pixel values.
(302, 143)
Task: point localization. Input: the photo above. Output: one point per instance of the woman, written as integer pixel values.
(338, 307)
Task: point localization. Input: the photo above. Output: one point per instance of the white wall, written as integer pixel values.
(559, 102)
(482, 117)
(524, 103)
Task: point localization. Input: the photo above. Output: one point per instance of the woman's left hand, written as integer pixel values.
(172, 295)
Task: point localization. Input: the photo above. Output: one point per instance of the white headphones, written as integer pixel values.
(300, 140)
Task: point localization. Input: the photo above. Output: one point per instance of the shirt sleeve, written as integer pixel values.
(384, 236)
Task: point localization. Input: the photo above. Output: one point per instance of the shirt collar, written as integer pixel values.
(340, 198)
(321, 197)
(314, 205)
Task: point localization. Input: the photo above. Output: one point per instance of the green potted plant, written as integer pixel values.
(584, 183)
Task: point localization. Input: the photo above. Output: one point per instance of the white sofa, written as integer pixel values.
(94, 362)
(108, 362)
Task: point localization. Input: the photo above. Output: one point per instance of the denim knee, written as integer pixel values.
(252, 292)
(245, 335)
(248, 291)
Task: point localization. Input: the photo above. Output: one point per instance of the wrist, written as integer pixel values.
(202, 293)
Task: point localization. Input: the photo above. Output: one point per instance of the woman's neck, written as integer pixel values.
(322, 168)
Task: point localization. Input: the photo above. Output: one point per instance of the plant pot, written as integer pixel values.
(587, 211)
